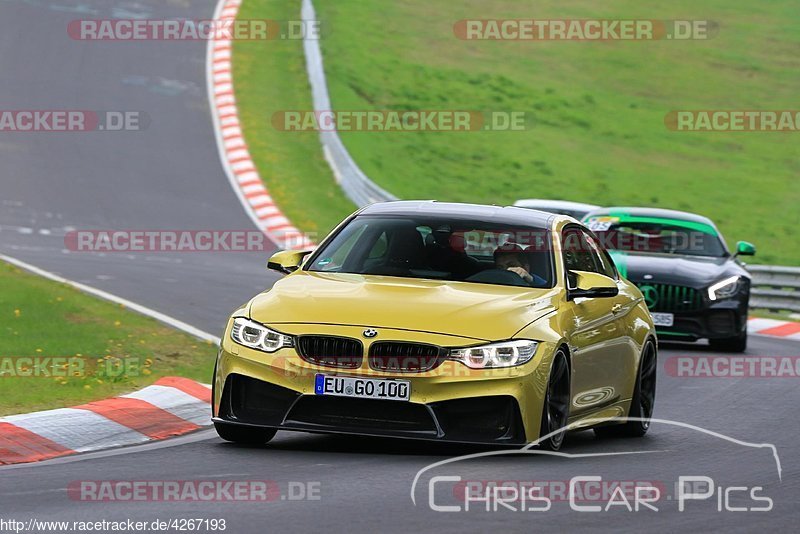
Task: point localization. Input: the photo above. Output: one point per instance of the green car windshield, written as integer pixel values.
(658, 237)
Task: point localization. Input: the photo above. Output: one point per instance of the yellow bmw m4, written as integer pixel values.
(439, 321)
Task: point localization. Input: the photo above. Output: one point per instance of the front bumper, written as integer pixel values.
(721, 320)
(251, 402)
(449, 403)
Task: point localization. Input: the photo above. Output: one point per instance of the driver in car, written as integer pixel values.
(512, 258)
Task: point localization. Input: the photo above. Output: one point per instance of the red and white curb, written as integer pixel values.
(170, 407)
(234, 154)
(775, 328)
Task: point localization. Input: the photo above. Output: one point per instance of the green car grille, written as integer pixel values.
(670, 298)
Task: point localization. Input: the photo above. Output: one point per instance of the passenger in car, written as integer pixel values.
(513, 258)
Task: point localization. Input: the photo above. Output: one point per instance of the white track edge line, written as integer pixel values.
(143, 310)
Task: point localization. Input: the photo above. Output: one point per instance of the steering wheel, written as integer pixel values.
(498, 276)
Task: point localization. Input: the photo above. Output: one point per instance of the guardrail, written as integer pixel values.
(775, 288)
(356, 185)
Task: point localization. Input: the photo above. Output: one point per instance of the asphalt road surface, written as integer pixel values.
(166, 177)
(169, 177)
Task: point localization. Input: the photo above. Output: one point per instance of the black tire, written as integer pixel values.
(556, 403)
(244, 434)
(731, 344)
(643, 401)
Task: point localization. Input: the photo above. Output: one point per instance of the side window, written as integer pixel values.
(579, 253)
(601, 257)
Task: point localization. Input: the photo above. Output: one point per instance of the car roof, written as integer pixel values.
(563, 204)
(484, 212)
(650, 212)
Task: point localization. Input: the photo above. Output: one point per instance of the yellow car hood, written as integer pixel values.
(479, 311)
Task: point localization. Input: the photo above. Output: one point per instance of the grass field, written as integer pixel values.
(121, 350)
(598, 109)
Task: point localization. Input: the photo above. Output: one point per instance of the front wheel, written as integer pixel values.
(556, 404)
(643, 401)
(244, 434)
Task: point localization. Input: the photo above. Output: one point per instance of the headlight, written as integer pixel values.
(724, 288)
(257, 336)
(493, 355)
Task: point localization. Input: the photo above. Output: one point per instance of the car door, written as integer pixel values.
(601, 349)
(623, 307)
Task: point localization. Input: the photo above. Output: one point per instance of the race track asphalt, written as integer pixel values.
(169, 177)
(166, 177)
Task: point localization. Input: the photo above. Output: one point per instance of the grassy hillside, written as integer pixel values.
(598, 109)
(598, 132)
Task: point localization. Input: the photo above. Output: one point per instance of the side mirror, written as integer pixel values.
(743, 248)
(590, 285)
(287, 261)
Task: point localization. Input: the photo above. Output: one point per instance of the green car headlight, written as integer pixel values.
(257, 336)
(494, 355)
(724, 288)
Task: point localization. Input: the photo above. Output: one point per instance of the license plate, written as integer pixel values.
(663, 319)
(365, 388)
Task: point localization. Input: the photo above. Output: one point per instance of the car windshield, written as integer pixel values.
(658, 237)
(439, 248)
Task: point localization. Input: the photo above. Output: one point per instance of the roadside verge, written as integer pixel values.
(171, 407)
(774, 328)
(233, 149)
